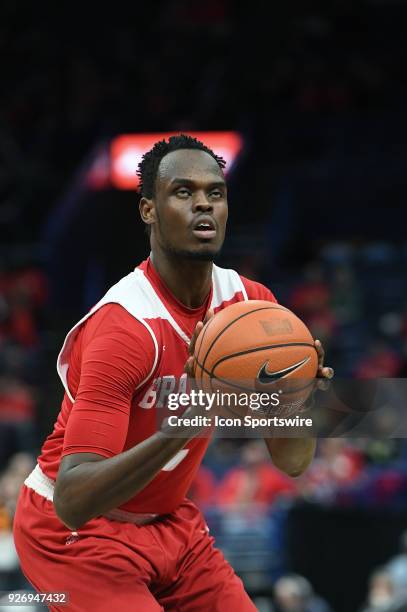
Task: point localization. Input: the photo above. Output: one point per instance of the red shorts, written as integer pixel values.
(170, 564)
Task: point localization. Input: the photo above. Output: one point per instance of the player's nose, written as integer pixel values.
(202, 204)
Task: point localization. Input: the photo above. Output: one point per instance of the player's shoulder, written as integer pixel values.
(256, 290)
(114, 320)
(109, 314)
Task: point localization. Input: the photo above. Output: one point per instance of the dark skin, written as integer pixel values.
(189, 188)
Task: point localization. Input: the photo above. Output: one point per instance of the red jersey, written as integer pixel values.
(120, 363)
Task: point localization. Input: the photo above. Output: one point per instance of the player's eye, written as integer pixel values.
(216, 193)
(183, 192)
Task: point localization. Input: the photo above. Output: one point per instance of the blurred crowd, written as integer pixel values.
(354, 298)
(23, 295)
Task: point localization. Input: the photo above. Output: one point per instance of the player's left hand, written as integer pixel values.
(323, 377)
(324, 373)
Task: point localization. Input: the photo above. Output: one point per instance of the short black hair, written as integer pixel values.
(147, 168)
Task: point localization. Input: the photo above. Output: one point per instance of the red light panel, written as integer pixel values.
(126, 152)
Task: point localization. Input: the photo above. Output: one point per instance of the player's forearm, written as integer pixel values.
(95, 487)
(291, 455)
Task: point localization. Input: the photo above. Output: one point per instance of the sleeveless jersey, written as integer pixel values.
(164, 329)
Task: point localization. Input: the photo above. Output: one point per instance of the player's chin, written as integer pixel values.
(204, 252)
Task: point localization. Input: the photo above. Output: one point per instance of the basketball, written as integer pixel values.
(257, 346)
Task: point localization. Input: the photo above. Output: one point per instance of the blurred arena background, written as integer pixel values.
(317, 197)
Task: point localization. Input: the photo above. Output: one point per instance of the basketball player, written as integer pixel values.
(104, 515)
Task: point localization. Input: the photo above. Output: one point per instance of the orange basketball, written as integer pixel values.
(256, 346)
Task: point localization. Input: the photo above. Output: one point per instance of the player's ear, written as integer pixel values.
(147, 210)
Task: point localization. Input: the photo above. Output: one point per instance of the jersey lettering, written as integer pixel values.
(150, 396)
(167, 387)
(161, 387)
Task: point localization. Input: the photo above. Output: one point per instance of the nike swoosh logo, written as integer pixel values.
(265, 377)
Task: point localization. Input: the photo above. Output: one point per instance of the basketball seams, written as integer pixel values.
(213, 377)
(251, 337)
(196, 353)
(241, 316)
(260, 348)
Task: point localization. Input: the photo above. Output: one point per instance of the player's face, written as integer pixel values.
(190, 205)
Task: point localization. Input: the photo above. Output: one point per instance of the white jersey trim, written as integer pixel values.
(44, 486)
(127, 292)
(136, 294)
(226, 283)
(160, 310)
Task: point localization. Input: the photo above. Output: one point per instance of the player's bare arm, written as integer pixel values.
(293, 455)
(89, 485)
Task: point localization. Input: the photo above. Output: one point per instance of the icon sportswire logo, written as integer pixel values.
(265, 377)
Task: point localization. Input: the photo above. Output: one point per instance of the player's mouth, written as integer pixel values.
(204, 228)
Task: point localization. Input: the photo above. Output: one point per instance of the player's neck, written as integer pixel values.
(188, 280)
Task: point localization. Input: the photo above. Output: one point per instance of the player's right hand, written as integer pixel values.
(189, 364)
(197, 410)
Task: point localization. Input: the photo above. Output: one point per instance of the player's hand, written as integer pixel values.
(324, 373)
(322, 380)
(197, 409)
(189, 364)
